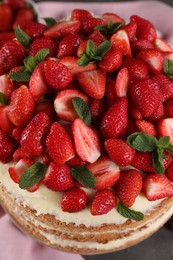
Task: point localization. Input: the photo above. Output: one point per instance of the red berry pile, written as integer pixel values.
(87, 103)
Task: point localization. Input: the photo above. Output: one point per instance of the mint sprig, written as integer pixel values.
(129, 213)
(22, 37)
(94, 53)
(109, 29)
(148, 143)
(3, 100)
(168, 68)
(32, 175)
(84, 176)
(49, 21)
(82, 110)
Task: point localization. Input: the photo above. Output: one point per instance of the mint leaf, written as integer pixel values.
(113, 27)
(142, 142)
(90, 49)
(49, 21)
(170, 148)
(82, 110)
(41, 55)
(101, 28)
(129, 213)
(83, 61)
(168, 68)
(3, 100)
(30, 63)
(22, 37)
(32, 175)
(163, 142)
(84, 176)
(157, 159)
(20, 75)
(103, 48)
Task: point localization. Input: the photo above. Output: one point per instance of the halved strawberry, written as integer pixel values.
(63, 103)
(6, 86)
(146, 127)
(43, 42)
(157, 186)
(80, 14)
(112, 17)
(105, 171)
(162, 45)
(58, 177)
(5, 123)
(128, 186)
(87, 143)
(165, 128)
(38, 84)
(131, 29)
(120, 40)
(122, 83)
(69, 45)
(59, 144)
(93, 83)
(21, 153)
(62, 28)
(102, 202)
(7, 147)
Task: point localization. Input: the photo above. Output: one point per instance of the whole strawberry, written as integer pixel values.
(74, 200)
(68, 45)
(7, 147)
(43, 42)
(6, 17)
(128, 186)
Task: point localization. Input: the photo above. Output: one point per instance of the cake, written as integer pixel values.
(86, 138)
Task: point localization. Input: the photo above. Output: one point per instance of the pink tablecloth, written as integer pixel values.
(15, 245)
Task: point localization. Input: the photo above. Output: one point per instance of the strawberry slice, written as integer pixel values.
(38, 85)
(63, 103)
(6, 86)
(5, 123)
(157, 186)
(61, 29)
(102, 202)
(120, 40)
(7, 147)
(87, 143)
(165, 128)
(105, 171)
(122, 83)
(72, 64)
(93, 83)
(112, 17)
(162, 45)
(59, 144)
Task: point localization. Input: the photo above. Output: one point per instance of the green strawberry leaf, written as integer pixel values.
(21, 75)
(22, 37)
(32, 175)
(82, 110)
(103, 48)
(49, 21)
(90, 49)
(83, 61)
(3, 100)
(84, 176)
(113, 27)
(157, 159)
(129, 213)
(142, 142)
(163, 142)
(168, 68)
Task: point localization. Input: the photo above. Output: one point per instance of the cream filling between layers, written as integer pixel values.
(46, 201)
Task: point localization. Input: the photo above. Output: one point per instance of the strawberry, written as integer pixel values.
(131, 29)
(57, 75)
(112, 17)
(157, 186)
(12, 54)
(34, 29)
(23, 16)
(18, 169)
(7, 147)
(74, 200)
(63, 103)
(15, 4)
(134, 113)
(120, 40)
(110, 92)
(122, 83)
(6, 17)
(141, 45)
(102, 202)
(143, 161)
(137, 68)
(146, 127)
(123, 154)
(168, 108)
(111, 61)
(128, 186)
(162, 45)
(43, 42)
(5, 123)
(97, 37)
(157, 114)
(105, 171)
(21, 153)
(145, 29)
(34, 134)
(72, 64)
(87, 143)
(92, 83)
(21, 107)
(76, 161)
(131, 128)
(97, 109)
(62, 28)
(18, 83)
(82, 48)
(6, 86)
(164, 128)
(169, 172)
(59, 144)
(88, 24)
(115, 120)
(38, 85)
(145, 94)
(153, 58)
(58, 177)
(69, 45)
(17, 133)
(48, 108)
(80, 14)
(5, 37)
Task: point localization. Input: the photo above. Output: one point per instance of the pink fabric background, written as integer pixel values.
(15, 245)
